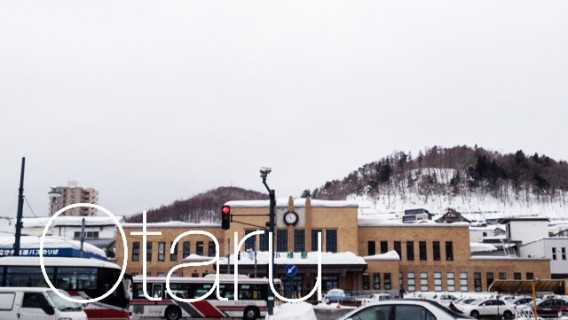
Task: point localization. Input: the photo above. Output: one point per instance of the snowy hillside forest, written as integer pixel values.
(470, 180)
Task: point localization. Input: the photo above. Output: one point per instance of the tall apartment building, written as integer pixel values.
(60, 197)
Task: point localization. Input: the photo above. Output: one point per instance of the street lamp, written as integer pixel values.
(264, 171)
(54, 194)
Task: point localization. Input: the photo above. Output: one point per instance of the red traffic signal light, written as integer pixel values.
(226, 217)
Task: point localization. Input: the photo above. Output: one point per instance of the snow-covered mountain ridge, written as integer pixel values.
(476, 182)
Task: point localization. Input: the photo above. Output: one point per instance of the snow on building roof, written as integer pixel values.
(32, 242)
(481, 247)
(197, 258)
(75, 221)
(173, 224)
(327, 258)
(373, 222)
(504, 258)
(389, 256)
(298, 202)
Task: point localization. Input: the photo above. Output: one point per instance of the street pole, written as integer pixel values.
(82, 235)
(271, 232)
(20, 210)
(229, 256)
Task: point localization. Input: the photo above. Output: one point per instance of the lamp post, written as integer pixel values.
(264, 171)
(54, 194)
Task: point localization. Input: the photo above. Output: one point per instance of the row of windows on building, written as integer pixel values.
(410, 249)
(329, 241)
(555, 253)
(384, 281)
(163, 251)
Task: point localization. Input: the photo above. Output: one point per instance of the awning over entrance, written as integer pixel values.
(306, 261)
(526, 286)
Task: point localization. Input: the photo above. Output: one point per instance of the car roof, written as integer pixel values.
(419, 302)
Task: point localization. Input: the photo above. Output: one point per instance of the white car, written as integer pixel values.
(488, 307)
(31, 303)
(375, 297)
(415, 309)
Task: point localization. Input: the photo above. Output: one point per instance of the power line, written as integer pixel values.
(30, 207)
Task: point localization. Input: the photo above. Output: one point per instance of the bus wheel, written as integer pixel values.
(173, 313)
(251, 313)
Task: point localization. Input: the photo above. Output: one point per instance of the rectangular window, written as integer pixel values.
(186, 249)
(411, 282)
(211, 249)
(564, 253)
(422, 250)
(463, 282)
(299, 240)
(436, 250)
(315, 240)
(517, 276)
(370, 248)
(477, 281)
(136, 251)
(148, 251)
(410, 250)
(161, 251)
(384, 246)
(250, 243)
(376, 281)
(388, 281)
(490, 277)
(553, 253)
(451, 282)
(449, 251)
(174, 256)
(437, 281)
(530, 275)
(331, 240)
(366, 281)
(264, 241)
(424, 281)
(282, 241)
(199, 250)
(502, 275)
(397, 248)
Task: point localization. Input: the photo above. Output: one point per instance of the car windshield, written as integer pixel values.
(62, 304)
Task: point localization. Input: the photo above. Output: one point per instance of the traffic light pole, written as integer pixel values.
(271, 222)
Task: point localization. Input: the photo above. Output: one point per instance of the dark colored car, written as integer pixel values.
(551, 307)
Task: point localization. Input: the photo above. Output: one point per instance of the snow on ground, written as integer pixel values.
(294, 311)
(474, 205)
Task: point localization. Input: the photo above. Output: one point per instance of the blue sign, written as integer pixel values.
(291, 270)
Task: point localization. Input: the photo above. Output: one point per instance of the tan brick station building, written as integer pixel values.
(429, 256)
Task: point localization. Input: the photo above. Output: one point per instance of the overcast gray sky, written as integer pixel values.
(153, 101)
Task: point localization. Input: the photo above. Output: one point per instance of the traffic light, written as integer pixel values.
(226, 217)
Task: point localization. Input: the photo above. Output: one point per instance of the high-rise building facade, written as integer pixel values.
(60, 197)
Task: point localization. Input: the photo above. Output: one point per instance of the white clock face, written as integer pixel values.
(290, 218)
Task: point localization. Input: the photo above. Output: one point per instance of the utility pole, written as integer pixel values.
(20, 210)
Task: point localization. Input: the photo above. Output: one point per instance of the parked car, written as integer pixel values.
(552, 307)
(37, 304)
(415, 309)
(375, 297)
(488, 307)
(334, 295)
(465, 301)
